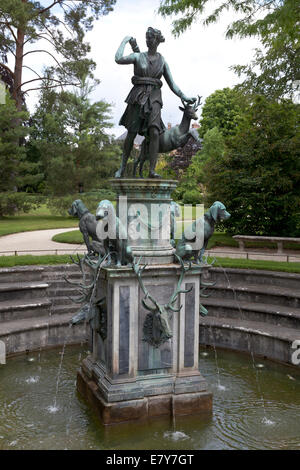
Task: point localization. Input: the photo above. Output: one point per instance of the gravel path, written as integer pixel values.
(37, 242)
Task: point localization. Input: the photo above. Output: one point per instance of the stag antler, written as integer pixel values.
(139, 271)
(169, 306)
(178, 291)
(156, 327)
(83, 287)
(197, 103)
(95, 265)
(86, 290)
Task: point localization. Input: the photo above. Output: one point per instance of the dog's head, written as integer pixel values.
(77, 208)
(218, 211)
(105, 209)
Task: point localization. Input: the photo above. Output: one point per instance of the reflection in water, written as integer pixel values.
(28, 391)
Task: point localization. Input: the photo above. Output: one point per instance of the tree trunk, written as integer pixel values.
(17, 92)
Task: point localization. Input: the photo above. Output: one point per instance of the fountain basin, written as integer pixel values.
(29, 419)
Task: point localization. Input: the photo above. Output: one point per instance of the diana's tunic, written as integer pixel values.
(144, 100)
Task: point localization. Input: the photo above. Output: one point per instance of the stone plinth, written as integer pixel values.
(145, 205)
(125, 377)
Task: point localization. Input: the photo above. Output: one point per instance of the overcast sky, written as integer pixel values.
(199, 59)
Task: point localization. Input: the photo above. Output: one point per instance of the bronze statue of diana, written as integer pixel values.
(144, 102)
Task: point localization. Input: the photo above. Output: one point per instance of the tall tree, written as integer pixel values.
(275, 69)
(222, 109)
(12, 156)
(16, 172)
(191, 182)
(251, 11)
(54, 28)
(258, 174)
(71, 135)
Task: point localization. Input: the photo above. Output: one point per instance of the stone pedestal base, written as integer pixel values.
(145, 334)
(126, 377)
(142, 408)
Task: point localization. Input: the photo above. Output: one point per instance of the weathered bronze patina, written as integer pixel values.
(144, 102)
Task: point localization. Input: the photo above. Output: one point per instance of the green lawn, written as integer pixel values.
(26, 223)
(75, 236)
(256, 264)
(29, 260)
(42, 210)
(26, 260)
(37, 220)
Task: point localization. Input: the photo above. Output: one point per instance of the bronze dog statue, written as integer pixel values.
(113, 235)
(87, 226)
(216, 213)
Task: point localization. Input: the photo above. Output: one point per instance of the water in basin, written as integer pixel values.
(254, 407)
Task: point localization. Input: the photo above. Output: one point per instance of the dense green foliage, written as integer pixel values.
(258, 174)
(15, 202)
(220, 116)
(12, 155)
(248, 24)
(189, 188)
(60, 205)
(69, 147)
(250, 157)
(15, 171)
(275, 68)
(70, 136)
(222, 109)
(190, 185)
(213, 146)
(191, 196)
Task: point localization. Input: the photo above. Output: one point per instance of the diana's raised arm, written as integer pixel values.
(129, 59)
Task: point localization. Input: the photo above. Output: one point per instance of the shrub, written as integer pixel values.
(257, 176)
(192, 196)
(60, 205)
(13, 202)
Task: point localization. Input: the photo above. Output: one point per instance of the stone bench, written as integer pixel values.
(253, 238)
